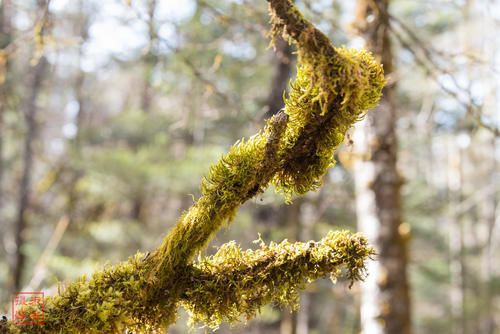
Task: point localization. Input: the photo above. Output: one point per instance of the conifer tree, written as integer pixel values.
(332, 90)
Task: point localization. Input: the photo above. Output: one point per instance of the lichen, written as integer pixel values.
(333, 89)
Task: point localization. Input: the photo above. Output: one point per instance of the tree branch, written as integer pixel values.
(234, 284)
(332, 90)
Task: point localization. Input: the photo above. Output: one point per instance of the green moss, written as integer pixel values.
(332, 90)
(320, 114)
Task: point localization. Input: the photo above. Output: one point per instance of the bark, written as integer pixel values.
(385, 304)
(2, 132)
(30, 113)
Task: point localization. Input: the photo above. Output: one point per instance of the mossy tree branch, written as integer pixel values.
(235, 284)
(332, 90)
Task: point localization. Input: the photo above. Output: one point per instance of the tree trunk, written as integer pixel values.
(5, 37)
(81, 116)
(307, 218)
(292, 220)
(34, 84)
(488, 216)
(456, 240)
(149, 60)
(385, 305)
(282, 68)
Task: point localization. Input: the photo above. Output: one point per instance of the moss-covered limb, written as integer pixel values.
(229, 286)
(333, 89)
(328, 69)
(148, 291)
(288, 21)
(109, 301)
(241, 174)
(234, 285)
(226, 287)
(245, 171)
(314, 48)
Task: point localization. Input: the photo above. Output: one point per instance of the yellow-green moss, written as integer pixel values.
(234, 285)
(332, 90)
(320, 116)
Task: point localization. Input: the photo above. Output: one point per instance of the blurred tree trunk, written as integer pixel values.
(74, 171)
(287, 217)
(282, 68)
(288, 323)
(292, 220)
(149, 61)
(34, 84)
(456, 247)
(385, 305)
(488, 216)
(489, 208)
(309, 214)
(456, 240)
(82, 27)
(5, 37)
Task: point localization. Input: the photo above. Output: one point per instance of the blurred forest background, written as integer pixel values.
(111, 112)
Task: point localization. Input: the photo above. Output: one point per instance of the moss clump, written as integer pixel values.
(333, 89)
(316, 125)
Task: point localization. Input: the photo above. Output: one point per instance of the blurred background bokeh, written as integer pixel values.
(111, 112)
